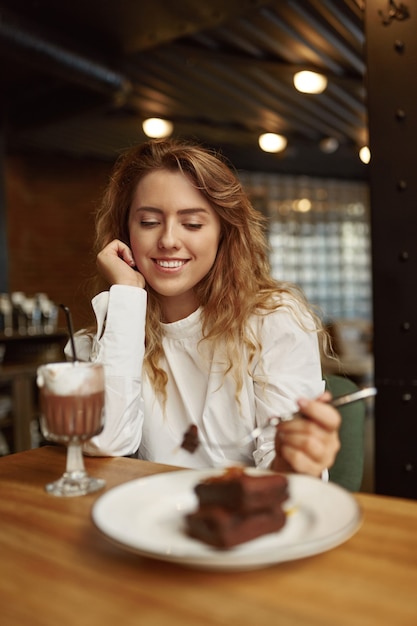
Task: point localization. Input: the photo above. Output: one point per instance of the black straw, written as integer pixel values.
(70, 330)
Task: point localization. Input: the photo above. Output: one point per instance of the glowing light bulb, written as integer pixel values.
(271, 142)
(310, 82)
(157, 128)
(365, 154)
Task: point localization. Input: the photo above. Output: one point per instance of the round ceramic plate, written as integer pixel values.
(146, 516)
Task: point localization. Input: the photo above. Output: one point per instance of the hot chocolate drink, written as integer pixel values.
(71, 399)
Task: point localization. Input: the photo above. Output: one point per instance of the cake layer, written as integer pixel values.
(223, 528)
(244, 493)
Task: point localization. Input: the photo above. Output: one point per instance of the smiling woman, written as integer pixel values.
(193, 329)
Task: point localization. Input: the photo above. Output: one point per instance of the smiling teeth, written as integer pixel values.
(171, 263)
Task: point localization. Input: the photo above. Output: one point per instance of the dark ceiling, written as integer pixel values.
(78, 77)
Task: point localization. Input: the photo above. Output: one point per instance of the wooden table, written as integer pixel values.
(56, 568)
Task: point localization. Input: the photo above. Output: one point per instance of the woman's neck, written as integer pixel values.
(177, 308)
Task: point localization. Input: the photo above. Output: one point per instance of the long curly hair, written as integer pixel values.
(238, 285)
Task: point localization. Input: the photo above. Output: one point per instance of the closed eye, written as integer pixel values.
(148, 223)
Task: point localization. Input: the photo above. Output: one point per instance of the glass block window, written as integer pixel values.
(319, 235)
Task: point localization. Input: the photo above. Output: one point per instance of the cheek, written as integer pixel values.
(138, 257)
(215, 245)
(137, 249)
(137, 239)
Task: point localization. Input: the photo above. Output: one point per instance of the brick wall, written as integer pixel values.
(50, 203)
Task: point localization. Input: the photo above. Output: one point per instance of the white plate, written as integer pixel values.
(146, 516)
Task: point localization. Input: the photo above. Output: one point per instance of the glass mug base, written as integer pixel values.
(75, 484)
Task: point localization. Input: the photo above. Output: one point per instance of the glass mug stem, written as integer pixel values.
(75, 461)
(75, 469)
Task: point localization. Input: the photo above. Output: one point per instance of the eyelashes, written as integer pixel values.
(189, 226)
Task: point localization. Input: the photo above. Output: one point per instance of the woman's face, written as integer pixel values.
(174, 236)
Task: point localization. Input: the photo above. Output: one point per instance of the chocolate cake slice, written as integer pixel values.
(236, 507)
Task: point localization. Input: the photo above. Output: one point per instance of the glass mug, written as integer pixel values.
(71, 396)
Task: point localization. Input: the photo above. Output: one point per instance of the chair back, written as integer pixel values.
(347, 470)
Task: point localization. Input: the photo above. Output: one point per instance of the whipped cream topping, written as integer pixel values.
(64, 379)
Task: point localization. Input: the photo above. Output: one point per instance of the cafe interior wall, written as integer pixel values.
(50, 228)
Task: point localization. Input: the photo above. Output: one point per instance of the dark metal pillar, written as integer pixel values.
(391, 50)
(4, 273)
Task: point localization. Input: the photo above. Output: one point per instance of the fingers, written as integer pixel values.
(117, 265)
(116, 249)
(307, 450)
(321, 412)
(309, 445)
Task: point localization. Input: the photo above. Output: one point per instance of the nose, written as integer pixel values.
(169, 238)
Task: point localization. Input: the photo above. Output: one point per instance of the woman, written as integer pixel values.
(193, 328)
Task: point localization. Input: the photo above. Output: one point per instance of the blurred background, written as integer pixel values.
(82, 81)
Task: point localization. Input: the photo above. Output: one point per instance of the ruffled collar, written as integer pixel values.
(187, 327)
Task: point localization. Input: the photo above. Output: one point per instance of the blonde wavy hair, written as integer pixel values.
(238, 285)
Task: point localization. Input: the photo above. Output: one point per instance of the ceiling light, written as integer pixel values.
(329, 145)
(157, 128)
(310, 82)
(271, 142)
(365, 154)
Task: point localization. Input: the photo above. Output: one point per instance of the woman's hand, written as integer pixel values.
(309, 443)
(117, 265)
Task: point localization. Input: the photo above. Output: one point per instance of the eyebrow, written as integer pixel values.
(151, 209)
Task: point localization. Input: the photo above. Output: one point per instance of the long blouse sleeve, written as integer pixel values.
(119, 345)
(289, 367)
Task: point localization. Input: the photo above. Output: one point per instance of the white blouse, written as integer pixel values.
(136, 420)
